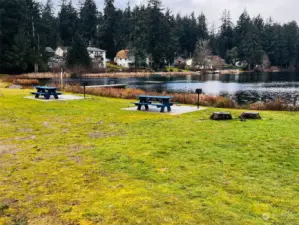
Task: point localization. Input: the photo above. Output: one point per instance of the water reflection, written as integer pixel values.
(245, 88)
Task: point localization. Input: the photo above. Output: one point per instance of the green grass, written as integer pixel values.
(2, 83)
(174, 69)
(89, 162)
(110, 65)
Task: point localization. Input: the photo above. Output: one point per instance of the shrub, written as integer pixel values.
(26, 81)
(75, 75)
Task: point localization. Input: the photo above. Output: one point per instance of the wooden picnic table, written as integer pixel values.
(46, 92)
(158, 101)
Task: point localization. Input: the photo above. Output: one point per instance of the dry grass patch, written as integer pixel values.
(8, 149)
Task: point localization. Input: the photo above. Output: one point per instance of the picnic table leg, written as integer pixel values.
(162, 109)
(168, 108)
(139, 107)
(146, 107)
(37, 96)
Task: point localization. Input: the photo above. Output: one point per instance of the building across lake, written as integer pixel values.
(57, 59)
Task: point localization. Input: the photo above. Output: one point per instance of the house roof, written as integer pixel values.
(93, 49)
(123, 54)
(49, 49)
(180, 59)
(64, 48)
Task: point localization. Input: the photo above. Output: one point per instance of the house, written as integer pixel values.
(49, 50)
(61, 51)
(124, 58)
(189, 62)
(179, 61)
(210, 62)
(98, 57)
(56, 62)
(216, 62)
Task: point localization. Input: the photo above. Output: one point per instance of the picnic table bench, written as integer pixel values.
(158, 101)
(46, 92)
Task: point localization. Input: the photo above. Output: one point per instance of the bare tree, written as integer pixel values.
(202, 51)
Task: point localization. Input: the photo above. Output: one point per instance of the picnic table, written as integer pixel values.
(158, 101)
(46, 92)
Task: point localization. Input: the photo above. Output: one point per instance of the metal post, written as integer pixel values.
(84, 87)
(198, 92)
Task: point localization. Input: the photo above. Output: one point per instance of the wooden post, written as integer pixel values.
(61, 78)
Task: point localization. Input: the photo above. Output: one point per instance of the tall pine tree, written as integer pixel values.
(88, 22)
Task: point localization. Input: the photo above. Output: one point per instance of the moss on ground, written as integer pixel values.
(89, 162)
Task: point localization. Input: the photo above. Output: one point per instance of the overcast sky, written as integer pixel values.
(279, 10)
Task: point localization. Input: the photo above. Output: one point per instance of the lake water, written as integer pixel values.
(244, 88)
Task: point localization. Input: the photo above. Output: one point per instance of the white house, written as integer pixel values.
(189, 62)
(61, 51)
(98, 56)
(124, 58)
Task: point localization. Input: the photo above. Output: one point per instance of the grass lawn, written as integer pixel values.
(89, 162)
(174, 69)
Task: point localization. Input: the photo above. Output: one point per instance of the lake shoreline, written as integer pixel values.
(50, 75)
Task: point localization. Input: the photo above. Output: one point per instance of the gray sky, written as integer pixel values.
(279, 10)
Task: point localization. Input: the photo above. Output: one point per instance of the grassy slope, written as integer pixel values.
(88, 162)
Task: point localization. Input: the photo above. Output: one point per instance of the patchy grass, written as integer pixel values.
(3, 84)
(175, 69)
(114, 66)
(89, 162)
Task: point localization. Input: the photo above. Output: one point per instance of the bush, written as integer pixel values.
(111, 70)
(26, 81)
(75, 75)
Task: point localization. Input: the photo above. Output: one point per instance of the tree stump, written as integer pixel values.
(250, 115)
(221, 116)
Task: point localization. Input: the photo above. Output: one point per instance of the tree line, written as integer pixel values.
(27, 27)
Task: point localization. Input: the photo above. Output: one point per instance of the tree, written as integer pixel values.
(123, 28)
(48, 35)
(78, 56)
(20, 57)
(138, 36)
(88, 22)
(107, 30)
(20, 28)
(158, 30)
(202, 27)
(226, 36)
(68, 23)
(201, 53)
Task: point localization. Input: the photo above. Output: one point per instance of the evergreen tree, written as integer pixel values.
(107, 30)
(11, 16)
(68, 23)
(17, 17)
(157, 38)
(20, 57)
(78, 57)
(49, 36)
(123, 28)
(171, 41)
(202, 27)
(138, 37)
(226, 36)
(88, 22)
